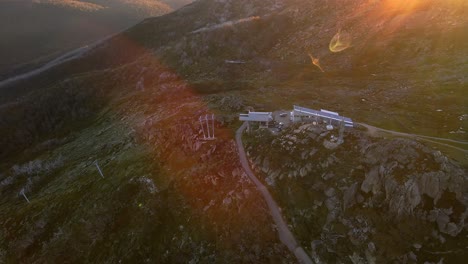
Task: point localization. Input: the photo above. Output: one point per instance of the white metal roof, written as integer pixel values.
(256, 116)
(329, 112)
(298, 110)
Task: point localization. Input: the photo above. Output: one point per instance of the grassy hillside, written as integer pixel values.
(132, 105)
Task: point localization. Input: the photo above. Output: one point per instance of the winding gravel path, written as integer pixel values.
(373, 130)
(74, 54)
(69, 56)
(285, 235)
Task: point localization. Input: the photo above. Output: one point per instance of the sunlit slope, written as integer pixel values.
(351, 35)
(397, 65)
(344, 35)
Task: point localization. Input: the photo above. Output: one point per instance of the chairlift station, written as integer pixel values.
(264, 118)
(299, 114)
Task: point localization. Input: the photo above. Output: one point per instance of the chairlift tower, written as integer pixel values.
(341, 131)
(207, 126)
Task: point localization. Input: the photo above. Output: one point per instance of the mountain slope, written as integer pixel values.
(32, 29)
(397, 55)
(131, 106)
(412, 54)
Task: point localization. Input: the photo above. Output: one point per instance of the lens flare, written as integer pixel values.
(316, 62)
(340, 42)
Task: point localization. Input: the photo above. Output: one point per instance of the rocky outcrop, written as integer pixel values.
(398, 178)
(442, 217)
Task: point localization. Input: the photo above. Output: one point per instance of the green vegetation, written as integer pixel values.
(167, 196)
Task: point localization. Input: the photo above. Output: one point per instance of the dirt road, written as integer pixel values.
(285, 235)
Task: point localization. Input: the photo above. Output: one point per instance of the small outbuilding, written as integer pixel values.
(264, 118)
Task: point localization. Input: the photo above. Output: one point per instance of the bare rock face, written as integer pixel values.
(403, 199)
(399, 178)
(349, 195)
(266, 165)
(430, 184)
(443, 217)
(330, 192)
(372, 181)
(412, 196)
(333, 206)
(405, 171)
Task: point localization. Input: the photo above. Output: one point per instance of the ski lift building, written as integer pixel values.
(264, 118)
(299, 113)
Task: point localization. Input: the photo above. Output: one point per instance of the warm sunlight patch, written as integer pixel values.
(74, 4)
(403, 5)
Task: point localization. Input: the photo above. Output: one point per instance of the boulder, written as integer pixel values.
(451, 229)
(266, 165)
(413, 197)
(349, 196)
(440, 217)
(429, 184)
(372, 179)
(332, 205)
(328, 175)
(330, 145)
(371, 247)
(330, 192)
